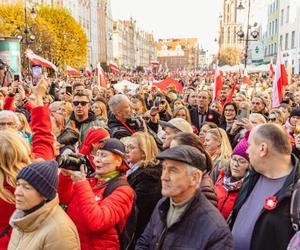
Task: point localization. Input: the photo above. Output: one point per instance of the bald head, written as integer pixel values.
(275, 136)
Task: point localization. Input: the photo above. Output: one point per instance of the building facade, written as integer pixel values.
(85, 12)
(178, 53)
(132, 47)
(289, 34)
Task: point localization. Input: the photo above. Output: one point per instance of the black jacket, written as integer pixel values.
(118, 130)
(211, 116)
(201, 226)
(147, 186)
(273, 229)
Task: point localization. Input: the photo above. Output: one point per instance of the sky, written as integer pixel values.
(174, 18)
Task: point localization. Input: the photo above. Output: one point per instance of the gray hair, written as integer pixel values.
(9, 113)
(116, 100)
(191, 170)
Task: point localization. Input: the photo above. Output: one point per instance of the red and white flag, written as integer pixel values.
(271, 71)
(101, 76)
(231, 93)
(38, 60)
(218, 84)
(246, 78)
(154, 63)
(71, 71)
(280, 80)
(88, 72)
(114, 68)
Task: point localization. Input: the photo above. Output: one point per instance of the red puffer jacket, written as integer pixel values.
(95, 217)
(226, 199)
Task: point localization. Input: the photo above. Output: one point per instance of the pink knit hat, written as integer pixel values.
(241, 148)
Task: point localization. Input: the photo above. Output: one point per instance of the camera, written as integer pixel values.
(71, 161)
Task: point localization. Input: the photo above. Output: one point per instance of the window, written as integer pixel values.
(293, 40)
(286, 45)
(287, 14)
(275, 48)
(282, 16)
(280, 42)
(271, 49)
(276, 25)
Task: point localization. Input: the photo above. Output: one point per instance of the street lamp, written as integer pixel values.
(241, 33)
(27, 37)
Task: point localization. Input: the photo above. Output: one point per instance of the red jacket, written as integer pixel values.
(226, 199)
(95, 217)
(42, 147)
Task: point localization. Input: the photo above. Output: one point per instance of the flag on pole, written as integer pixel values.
(101, 76)
(280, 80)
(114, 68)
(218, 84)
(230, 94)
(38, 60)
(71, 71)
(246, 78)
(271, 71)
(88, 72)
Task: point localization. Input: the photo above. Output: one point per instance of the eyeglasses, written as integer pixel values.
(272, 119)
(239, 161)
(82, 103)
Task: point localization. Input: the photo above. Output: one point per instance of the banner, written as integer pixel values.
(10, 53)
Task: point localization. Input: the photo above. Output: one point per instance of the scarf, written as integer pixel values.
(108, 176)
(231, 186)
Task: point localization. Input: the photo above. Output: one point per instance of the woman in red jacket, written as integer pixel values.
(95, 216)
(231, 178)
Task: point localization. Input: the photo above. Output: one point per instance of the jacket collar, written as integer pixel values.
(32, 221)
(165, 205)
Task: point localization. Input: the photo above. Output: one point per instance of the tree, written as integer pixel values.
(59, 38)
(230, 56)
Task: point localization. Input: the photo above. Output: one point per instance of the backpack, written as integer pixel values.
(127, 237)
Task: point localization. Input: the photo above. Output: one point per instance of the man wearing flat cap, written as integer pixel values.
(184, 218)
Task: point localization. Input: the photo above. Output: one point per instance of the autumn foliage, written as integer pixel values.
(59, 38)
(230, 56)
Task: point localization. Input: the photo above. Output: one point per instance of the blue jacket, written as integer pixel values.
(201, 226)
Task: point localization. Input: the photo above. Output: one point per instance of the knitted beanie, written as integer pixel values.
(93, 135)
(295, 112)
(241, 149)
(43, 176)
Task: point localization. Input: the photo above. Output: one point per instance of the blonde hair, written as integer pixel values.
(148, 146)
(24, 125)
(14, 155)
(68, 108)
(221, 136)
(103, 110)
(187, 113)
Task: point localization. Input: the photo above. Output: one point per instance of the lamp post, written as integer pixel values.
(27, 37)
(241, 34)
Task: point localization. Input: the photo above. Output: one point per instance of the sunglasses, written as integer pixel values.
(82, 103)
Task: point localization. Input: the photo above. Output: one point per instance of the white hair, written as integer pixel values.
(9, 113)
(116, 100)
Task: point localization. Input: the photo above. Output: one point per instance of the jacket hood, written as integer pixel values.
(32, 221)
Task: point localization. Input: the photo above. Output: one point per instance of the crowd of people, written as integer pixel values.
(84, 166)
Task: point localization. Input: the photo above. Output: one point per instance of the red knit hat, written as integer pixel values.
(93, 135)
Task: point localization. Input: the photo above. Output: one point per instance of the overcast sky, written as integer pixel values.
(174, 18)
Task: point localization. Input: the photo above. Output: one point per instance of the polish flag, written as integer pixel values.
(218, 84)
(271, 71)
(114, 68)
(280, 80)
(101, 76)
(246, 78)
(154, 63)
(38, 60)
(230, 94)
(88, 72)
(71, 71)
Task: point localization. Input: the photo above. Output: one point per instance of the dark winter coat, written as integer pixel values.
(211, 116)
(201, 226)
(147, 185)
(273, 229)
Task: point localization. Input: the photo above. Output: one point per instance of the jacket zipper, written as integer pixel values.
(162, 238)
